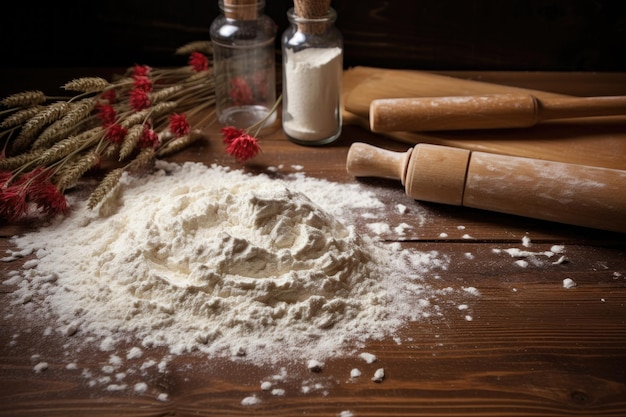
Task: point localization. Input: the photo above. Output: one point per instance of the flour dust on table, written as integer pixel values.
(226, 264)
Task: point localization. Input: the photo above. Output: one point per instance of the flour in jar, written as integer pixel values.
(213, 260)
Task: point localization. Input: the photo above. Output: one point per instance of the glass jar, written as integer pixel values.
(244, 63)
(312, 53)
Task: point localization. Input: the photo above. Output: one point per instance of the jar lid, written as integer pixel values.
(311, 9)
(241, 9)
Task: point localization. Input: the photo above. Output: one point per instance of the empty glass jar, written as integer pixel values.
(244, 63)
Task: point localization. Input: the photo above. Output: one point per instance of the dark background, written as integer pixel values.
(557, 35)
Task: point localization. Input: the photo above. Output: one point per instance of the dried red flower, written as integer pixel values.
(230, 133)
(244, 147)
(32, 187)
(139, 99)
(48, 198)
(141, 70)
(149, 138)
(179, 125)
(259, 83)
(240, 92)
(13, 204)
(106, 114)
(143, 83)
(116, 133)
(110, 96)
(198, 61)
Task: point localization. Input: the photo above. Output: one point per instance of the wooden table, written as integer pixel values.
(532, 348)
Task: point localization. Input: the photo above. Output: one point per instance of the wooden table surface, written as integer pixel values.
(533, 348)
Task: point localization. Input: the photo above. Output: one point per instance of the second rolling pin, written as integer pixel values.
(484, 112)
(567, 193)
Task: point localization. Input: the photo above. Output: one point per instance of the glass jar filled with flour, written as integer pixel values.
(312, 53)
(244, 63)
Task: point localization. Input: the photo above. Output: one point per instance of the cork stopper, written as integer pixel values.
(313, 10)
(241, 9)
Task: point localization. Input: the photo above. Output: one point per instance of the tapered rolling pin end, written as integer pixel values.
(369, 161)
(428, 172)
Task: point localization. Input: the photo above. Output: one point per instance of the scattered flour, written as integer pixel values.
(315, 365)
(379, 375)
(279, 392)
(223, 263)
(527, 257)
(40, 367)
(368, 357)
(140, 387)
(379, 228)
(569, 283)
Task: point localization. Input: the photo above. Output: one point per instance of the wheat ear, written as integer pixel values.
(143, 159)
(62, 149)
(24, 99)
(130, 141)
(14, 162)
(104, 188)
(20, 117)
(69, 176)
(179, 143)
(156, 110)
(77, 112)
(197, 46)
(34, 125)
(87, 85)
(166, 93)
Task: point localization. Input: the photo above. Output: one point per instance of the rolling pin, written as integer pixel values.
(566, 193)
(484, 112)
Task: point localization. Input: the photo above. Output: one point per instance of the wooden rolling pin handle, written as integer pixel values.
(484, 112)
(453, 113)
(572, 107)
(567, 193)
(369, 161)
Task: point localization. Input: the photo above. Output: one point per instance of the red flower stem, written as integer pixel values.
(261, 123)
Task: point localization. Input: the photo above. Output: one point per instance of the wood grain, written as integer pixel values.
(587, 141)
(532, 347)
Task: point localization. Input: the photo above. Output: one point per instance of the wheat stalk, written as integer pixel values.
(87, 85)
(77, 112)
(69, 176)
(130, 141)
(104, 188)
(63, 148)
(34, 125)
(24, 99)
(14, 162)
(161, 95)
(20, 117)
(111, 149)
(156, 110)
(179, 143)
(197, 46)
(144, 159)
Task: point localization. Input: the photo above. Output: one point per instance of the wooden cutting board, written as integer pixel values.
(599, 141)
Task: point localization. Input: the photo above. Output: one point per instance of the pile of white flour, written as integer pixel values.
(208, 259)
